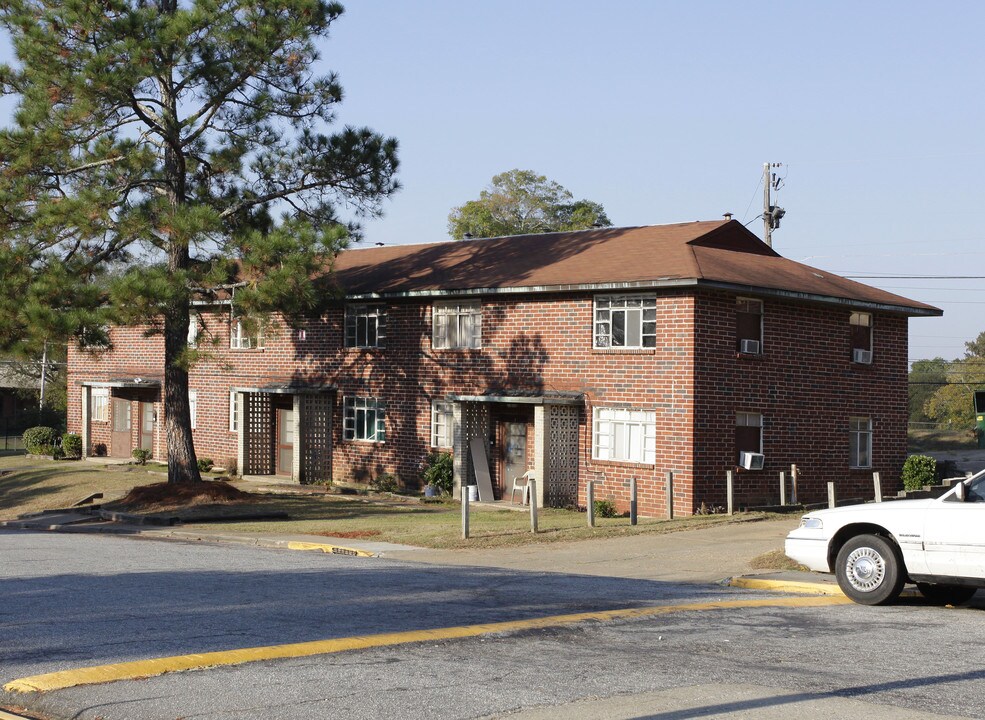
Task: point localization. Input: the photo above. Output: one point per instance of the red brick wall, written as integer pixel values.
(803, 384)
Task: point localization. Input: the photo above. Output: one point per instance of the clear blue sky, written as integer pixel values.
(666, 111)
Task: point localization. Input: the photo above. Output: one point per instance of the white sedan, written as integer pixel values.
(874, 549)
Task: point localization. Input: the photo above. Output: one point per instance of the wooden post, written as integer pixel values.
(632, 501)
(729, 487)
(877, 486)
(783, 489)
(793, 484)
(533, 504)
(831, 495)
(465, 512)
(670, 494)
(590, 502)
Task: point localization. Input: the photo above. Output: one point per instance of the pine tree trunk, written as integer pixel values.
(182, 462)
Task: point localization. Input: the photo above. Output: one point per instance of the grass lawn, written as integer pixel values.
(30, 485)
(930, 440)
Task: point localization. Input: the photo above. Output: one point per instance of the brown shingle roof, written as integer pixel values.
(714, 254)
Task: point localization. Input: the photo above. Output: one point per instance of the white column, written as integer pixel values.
(86, 420)
(296, 450)
(458, 450)
(241, 433)
(541, 451)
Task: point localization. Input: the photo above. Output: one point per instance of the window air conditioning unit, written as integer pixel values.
(749, 347)
(862, 356)
(751, 460)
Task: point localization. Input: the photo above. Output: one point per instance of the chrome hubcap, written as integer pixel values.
(865, 569)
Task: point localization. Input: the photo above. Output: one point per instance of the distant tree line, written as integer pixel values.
(942, 391)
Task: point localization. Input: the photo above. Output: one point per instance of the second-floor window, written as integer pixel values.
(625, 321)
(240, 339)
(457, 324)
(365, 326)
(749, 326)
(861, 329)
(193, 327)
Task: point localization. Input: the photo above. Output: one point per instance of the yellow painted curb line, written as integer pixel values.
(790, 586)
(328, 548)
(148, 668)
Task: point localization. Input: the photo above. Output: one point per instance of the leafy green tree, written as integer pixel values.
(926, 378)
(161, 150)
(520, 202)
(953, 404)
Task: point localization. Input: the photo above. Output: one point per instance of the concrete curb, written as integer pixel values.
(801, 587)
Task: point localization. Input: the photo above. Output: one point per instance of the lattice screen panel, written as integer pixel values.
(561, 489)
(475, 423)
(316, 443)
(259, 439)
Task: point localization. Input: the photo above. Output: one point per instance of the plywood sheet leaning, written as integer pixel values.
(481, 464)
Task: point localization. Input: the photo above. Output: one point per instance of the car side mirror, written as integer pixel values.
(961, 492)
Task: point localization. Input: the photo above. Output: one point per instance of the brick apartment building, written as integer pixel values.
(597, 355)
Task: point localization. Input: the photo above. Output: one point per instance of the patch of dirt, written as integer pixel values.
(774, 560)
(173, 496)
(350, 534)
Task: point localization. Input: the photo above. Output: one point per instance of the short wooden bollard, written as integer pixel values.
(831, 495)
(793, 484)
(729, 488)
(465, 513)
(632, 501)
(877, 486)
(783, 489)
(670, 494)
(532, 484)
(590, 502)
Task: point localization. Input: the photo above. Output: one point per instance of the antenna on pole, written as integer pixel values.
(771, 213)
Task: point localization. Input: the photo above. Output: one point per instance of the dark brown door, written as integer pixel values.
(122, 442)
(285, 441)
(147, 426)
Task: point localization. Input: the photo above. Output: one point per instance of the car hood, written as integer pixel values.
(876, 509)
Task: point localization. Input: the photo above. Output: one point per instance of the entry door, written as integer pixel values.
(121, 444)
(285, 441)
(514, 462)
(147, 426)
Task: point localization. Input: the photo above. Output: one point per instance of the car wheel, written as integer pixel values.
(870, 570)
(946, 594)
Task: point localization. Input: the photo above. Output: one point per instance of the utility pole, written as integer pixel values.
(44, 372)
(771, 213)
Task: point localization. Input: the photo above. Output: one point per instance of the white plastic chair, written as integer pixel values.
(522, 484)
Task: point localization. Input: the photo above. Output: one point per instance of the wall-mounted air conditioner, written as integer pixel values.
(861, 356)
(749, 347)
(751, 460)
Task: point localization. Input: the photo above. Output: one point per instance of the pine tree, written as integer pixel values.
(159, 151)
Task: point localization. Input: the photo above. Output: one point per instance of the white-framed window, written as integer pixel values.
(233, 411)
(240, 340)
(860, 442)
(193, 407)
(457, 324)
(442, 420)
(193, 327)
(749, 326)
(861, 330)
(625, 321)
(748, 432)
(99, 404)
(624, 434)
(365, 326)
(364, 419)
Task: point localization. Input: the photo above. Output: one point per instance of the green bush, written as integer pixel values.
(72, 445)
(605, 509)
(919, 470)
(439, 471)
(40, 440)
(384, 482)
(141, 456)
(205, 464)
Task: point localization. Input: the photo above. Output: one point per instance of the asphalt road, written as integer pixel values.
(73, 601)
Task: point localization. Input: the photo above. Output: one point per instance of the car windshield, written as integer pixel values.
(976, 491)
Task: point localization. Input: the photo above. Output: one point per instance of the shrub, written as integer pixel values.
(230, 465)
(72, 445)
(384, 482)
(918, 470)
(40, 440)
(205, 464)
(605, 509)
(439, 471)
(140, 455)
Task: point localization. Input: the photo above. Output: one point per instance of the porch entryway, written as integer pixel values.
(120, 415)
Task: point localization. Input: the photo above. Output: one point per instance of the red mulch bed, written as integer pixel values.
(173, 495)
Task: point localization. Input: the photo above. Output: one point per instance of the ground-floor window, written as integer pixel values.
(624, 434)
(748, 432)
(442, 416)
(193, 407)
(233, 411)
(860, 447)
(364, 419)
(100, 404)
